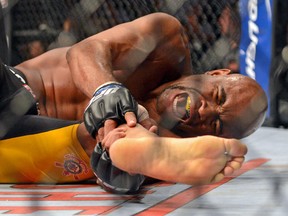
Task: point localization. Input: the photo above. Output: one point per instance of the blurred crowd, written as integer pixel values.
(213, 26)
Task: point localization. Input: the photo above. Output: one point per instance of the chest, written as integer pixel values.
(61, 99)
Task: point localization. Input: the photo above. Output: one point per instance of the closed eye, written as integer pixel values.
(221, 98)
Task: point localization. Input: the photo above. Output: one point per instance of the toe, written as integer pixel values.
(218, 177)
(234, 147)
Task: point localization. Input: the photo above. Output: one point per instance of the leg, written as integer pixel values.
(43, 150)
(199, 160)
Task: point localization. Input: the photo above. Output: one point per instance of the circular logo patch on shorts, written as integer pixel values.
(72, 165)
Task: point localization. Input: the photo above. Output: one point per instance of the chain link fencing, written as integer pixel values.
(213, 26)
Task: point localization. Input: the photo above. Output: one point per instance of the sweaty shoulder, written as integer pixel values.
(49, 59)
(156, 26)
(160, 18)
(159, 23)
(45, 66)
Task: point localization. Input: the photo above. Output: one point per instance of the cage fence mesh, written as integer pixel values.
(213, 28)
(39, 25)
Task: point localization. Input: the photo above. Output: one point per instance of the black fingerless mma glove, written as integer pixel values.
(110, 101)
(111, 178)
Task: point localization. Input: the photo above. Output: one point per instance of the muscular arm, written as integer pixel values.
(151, 43)
(114, 54)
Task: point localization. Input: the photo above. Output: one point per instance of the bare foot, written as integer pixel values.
(199, 160)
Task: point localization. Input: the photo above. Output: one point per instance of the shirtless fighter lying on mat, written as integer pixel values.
(148, 56)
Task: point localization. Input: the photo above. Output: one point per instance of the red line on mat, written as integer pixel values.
(192, 193)
(82, 210)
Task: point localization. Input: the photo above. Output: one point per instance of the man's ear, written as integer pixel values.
(219, 72)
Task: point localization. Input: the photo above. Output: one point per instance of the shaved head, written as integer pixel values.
(216, 103)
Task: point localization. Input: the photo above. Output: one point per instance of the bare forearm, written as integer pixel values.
(124, 48)
(91, 65)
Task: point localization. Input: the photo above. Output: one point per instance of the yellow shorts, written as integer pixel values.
(52, 156)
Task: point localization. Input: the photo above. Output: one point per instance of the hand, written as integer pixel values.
(111, 105)
(112, 136)
(111, 178)
(142, 118)
(150, 125)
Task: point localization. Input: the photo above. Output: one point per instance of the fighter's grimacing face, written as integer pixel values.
(204, 104)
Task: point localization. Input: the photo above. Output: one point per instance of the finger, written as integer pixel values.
(112, 136)
(115, 134)
(154, 129)
(107, 143)
(109, 125)
(130, 119)
(98, 139)
(100, 134)
(150, 125)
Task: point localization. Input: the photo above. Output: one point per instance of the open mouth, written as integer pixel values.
(181, 106)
